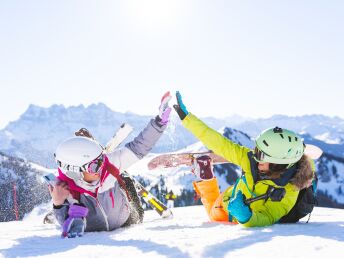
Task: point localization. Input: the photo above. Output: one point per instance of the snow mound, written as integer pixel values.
(188, 234)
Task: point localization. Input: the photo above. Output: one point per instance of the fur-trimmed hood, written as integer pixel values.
(304, 174)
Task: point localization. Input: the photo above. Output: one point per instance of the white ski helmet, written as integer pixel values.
(74, 153)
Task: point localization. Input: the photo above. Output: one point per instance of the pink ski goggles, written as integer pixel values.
(94, 166)
(75, 172)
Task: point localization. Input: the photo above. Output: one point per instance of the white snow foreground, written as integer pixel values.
(188, 234)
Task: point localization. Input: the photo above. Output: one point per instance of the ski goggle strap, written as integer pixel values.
(68, 167)
(260, 155)
(73, 172)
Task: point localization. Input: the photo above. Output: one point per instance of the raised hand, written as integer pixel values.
(59, 193)
(180, 107)
(164, 109)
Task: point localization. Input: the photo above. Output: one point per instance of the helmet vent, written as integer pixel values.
(296, 139)
(289, 138)
(282, 136)
(267, 145)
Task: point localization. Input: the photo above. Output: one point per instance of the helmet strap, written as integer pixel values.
(290, 165)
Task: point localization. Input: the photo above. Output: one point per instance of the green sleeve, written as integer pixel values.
(216, 142)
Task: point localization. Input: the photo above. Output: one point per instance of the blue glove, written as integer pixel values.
(238, 209)
(75, 223)
(180, 107)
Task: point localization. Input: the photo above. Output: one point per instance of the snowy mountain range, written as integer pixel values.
(35, 135)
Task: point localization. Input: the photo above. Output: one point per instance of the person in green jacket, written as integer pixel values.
(278, 162)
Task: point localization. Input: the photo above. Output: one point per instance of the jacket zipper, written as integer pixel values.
(105, 217)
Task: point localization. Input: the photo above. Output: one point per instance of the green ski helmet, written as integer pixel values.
(278, 146)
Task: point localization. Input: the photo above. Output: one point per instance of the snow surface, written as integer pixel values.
(188, 234)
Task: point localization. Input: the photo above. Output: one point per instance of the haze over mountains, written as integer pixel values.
(35, 135)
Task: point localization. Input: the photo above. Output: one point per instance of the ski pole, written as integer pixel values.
(275, 194)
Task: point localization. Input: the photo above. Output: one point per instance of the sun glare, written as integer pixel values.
(152, 14)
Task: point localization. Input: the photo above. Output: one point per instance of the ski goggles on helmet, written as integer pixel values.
(259, 155)
(94, 166)
(75, 172)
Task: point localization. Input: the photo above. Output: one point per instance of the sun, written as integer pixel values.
(151, 14)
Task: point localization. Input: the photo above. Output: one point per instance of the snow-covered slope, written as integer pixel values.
(188, 234)
(21, 187)
(331, 177)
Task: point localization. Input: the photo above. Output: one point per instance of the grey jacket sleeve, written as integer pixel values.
(139, 147)
(61, 213)
(145, 141)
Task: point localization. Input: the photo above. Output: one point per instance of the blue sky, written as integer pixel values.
(251, 58)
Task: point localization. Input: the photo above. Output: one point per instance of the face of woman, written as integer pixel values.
(91, 177)
(263, 167)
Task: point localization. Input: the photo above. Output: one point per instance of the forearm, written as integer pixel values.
(215, 141)
(145, 141)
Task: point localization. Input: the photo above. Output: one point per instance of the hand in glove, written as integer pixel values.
(180, 107)
(203, 167)
(238, 209)
(164, 110)
(75, 223)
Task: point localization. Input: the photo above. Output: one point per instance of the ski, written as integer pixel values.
(154, 202)
(121, 134)
(312, 151)
(171, 160)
